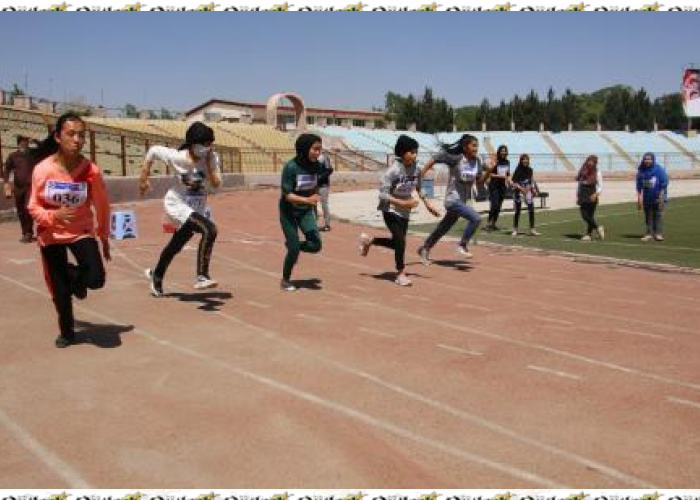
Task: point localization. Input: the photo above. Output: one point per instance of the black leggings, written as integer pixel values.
(398, 227)
(588, 214)
(63, 278)
(195, 224)
(517, 204)
(496, 197)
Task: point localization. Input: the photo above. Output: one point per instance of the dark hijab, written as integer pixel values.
(303, 146)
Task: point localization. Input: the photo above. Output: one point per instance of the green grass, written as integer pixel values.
(624, 225)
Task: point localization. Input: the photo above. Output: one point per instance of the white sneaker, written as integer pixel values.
(365, 243)
(424, 254)
(514, 234)
(156, 284)
(203, 283)
(534, 232)
(601, 232)
(659, 237)
(402, 280)
(586, 237)
(647, 237)
(462, 251)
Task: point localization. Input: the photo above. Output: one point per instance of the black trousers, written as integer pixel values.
(588, 213)
(195, 224)
(63, 277)
(517, 204)
(25, 219)
(398, 226)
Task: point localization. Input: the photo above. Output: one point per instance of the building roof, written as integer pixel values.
(325, 111)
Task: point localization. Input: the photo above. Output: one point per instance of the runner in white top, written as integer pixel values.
(185, 203)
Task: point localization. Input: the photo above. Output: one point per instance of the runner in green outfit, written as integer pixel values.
(299, 197)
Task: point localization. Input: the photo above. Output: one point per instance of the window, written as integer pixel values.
(210, 116)
(310, 120)
(358, 123)
(338, 121)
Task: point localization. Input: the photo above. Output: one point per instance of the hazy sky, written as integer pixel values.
(334, 59)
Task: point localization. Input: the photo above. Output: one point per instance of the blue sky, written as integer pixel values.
(334, 59)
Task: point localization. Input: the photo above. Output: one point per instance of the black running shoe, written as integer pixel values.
(64, 341)
(156, 283)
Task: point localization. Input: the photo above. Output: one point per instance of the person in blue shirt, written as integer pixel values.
(652, 186)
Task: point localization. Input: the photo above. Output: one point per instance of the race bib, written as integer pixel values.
(467, 171)
(306, 182)
(503, 169)
(66, 194)
(405, 187)
(529, 197)
(649, 183)
(196, 201)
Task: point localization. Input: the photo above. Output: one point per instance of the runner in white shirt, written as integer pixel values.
(185, 203)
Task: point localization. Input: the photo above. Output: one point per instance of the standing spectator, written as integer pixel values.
(498, 186)
(21, 163)
(324, 187)
(590, 187)
(524, 189)
(652, 185)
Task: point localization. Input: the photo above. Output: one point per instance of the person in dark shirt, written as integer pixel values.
(20, 162)
(524, 190)
(498, 186)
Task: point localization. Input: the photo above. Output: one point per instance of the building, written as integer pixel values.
(297, 116)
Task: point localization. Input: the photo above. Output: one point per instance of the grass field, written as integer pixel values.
(624, 225)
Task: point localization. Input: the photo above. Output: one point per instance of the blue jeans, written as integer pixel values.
(454, 212)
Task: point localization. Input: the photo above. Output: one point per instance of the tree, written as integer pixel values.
(569, 105)
(165, 114)
(483, 114)
(532, 111)
(130, 111)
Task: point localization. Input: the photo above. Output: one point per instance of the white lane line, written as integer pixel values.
(475, 308)
(554, 320)
(259, 305)
(415, 396)
(629, 301)
(376, 332)
(684, 402)
(333, 406)
(488, 334)
(52, 461)
(22, 262)
(309, 317)
(416, 298)
(641, 334)
(459, 350)
(534, 303)
(553, 372)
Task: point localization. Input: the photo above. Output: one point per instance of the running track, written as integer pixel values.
(517, 371)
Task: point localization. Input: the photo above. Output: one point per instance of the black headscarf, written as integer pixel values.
(303, 146)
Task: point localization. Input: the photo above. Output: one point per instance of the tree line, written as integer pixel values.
(613, 108)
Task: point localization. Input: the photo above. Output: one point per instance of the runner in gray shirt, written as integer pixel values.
(396, 202)
(464, 170)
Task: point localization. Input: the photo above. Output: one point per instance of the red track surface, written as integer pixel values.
(518, 371)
